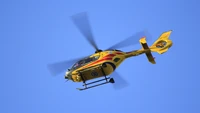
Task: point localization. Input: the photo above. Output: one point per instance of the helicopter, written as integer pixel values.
(102, 63)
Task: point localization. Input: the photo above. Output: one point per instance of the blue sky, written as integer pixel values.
(35, 33)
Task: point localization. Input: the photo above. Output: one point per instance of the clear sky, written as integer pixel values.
(35, 33)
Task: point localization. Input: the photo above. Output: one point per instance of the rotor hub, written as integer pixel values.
(97, 51)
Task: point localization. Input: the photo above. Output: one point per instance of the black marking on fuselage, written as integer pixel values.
(112, 64)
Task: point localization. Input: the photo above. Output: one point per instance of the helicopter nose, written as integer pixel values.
(68, 76)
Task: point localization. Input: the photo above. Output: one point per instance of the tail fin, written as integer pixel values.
(161, 45)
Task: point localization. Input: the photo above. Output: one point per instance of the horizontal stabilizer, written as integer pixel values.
(148, 51)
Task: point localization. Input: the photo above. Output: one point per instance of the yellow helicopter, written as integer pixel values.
(103, 63)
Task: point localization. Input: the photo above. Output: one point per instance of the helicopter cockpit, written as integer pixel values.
(84, 61)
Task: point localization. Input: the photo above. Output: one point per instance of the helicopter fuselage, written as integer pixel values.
(99, 64)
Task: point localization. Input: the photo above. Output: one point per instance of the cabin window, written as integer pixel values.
(84, 61)
(116, 59)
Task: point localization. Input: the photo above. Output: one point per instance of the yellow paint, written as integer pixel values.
(90, 67)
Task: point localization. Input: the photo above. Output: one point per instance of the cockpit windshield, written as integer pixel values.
(84, 61)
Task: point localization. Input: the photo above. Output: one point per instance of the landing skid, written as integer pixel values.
(108, 80)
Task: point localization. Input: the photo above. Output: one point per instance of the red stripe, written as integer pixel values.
(119, 53)
(101, 60)
(107, 57)
(110, 55)
(104, 59)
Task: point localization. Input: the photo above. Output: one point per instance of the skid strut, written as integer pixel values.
(107, 80)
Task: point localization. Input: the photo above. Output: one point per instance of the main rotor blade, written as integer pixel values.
(132, 40)
(119, 81)
(82, 23)
(59, 67)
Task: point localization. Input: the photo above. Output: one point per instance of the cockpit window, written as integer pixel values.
(84, 62)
